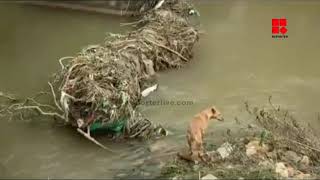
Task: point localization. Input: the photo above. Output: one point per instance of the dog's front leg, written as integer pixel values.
(189, 140)
(202, 140)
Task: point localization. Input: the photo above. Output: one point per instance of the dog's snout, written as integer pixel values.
(220, 118)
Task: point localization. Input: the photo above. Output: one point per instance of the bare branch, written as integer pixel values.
(38, 109)
(54, 97)
(39, 104)
(62, 59)
(171, 50)
(93, 140)
(7, 96)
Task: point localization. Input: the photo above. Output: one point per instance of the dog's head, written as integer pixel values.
(213, 113)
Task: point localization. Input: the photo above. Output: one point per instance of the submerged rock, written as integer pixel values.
(209, 177)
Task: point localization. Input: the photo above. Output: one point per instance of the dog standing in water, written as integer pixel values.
(196, 131)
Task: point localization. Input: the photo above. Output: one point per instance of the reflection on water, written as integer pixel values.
(236, 60)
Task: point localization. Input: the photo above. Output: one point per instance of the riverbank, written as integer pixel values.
(276, 146)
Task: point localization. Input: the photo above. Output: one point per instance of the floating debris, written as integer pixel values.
(98, 89)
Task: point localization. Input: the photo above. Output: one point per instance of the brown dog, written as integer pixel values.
(196, 131)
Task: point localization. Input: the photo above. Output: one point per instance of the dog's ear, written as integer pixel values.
(213, 110)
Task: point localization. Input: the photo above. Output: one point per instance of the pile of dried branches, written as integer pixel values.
(103, 83)
(285, 132)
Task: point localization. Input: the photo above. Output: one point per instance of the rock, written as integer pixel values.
(240, 178)
(305, 161)
(208, 177)
(282, 170)
(292, 156)
(291, 171)
(225, 150)
(211, 156)
(252, 126)
(175, 178)
(250, 151)
(254, 148)
(178, 178)
(229, 167)
(266, 164)
(121, 175)
(302, 176)
(146, 174)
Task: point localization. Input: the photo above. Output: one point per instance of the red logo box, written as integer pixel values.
(279, 26)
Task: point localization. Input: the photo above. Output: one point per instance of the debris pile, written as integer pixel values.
(100, 88)
(103, 84)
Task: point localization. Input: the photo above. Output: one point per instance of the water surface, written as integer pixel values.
(235, 61)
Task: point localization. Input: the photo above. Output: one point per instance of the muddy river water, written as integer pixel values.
(236, 60)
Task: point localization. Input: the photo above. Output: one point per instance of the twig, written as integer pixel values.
(285, 115)
(93, 140)
(271, 104)
(37, 108)
(39, 94)
(127, 6)
(134, 23)
(66, 79)
(301, 144)
(171, 50)
(247, 107)
(38, 104)
(54, 97)
(7, 96)
(62, 59)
